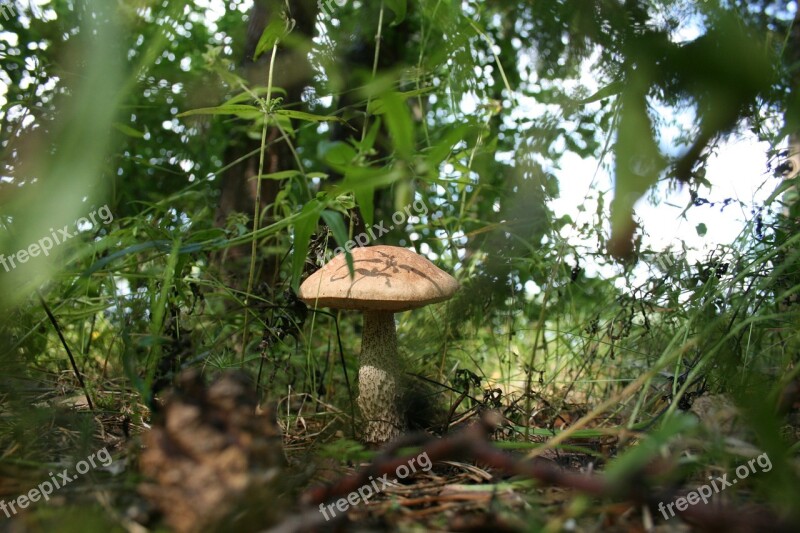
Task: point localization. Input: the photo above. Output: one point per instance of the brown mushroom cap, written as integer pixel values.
(387, 278)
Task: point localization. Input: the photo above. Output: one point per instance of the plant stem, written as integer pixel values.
(257, 207)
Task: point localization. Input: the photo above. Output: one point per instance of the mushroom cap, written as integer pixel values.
(387, 278)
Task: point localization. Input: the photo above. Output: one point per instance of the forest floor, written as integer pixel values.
(208, 458)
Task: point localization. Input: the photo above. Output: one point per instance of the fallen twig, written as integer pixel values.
(473, 443)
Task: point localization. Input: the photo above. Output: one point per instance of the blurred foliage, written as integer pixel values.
(469, 109)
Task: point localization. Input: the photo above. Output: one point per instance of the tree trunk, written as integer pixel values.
(790, 167)
(292, 73)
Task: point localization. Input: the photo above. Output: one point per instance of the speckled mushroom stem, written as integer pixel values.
(378, 378)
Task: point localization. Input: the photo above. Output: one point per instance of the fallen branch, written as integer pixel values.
(473, 443)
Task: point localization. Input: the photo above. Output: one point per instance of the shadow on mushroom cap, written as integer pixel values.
(387, 278)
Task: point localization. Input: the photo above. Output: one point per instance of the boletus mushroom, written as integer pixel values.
(387, 280)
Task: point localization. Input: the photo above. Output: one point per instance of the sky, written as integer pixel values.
(738, 170)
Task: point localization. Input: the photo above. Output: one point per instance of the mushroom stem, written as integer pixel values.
(378, 378)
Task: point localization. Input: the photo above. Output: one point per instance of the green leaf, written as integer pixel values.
(304, 226)
(246, 96)
(362, 182)
(338, 155)
(398, 7)
(365, 196)
(308, 117)
(282, 175)
(158, 310)
(284, 122)
(377, 106)
(372, 134)
(243, 111)
(442, 149)
(161, 245)
(701, 229)
(399, 124)
(403, 195)
(127, 130)
(334, 221)
(782, 187)
(612, 89)
(274, 32)
(317, 175)
(632, 462)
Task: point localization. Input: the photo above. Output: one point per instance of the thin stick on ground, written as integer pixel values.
(54, 322)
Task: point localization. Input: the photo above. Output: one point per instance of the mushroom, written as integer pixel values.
(387, 280)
